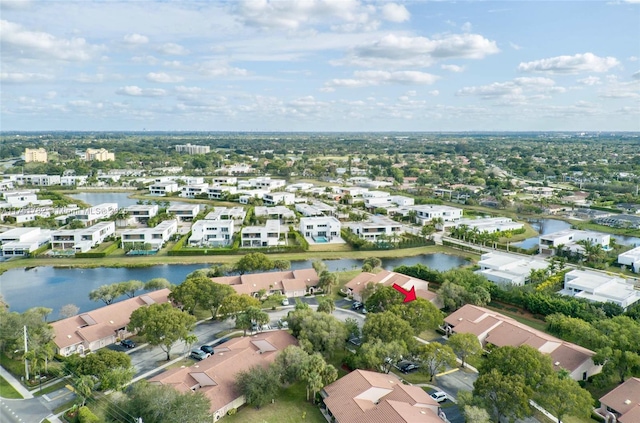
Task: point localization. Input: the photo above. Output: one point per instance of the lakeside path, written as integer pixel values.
(139, 261)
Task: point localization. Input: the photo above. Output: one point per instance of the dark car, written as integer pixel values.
(128, 343)
(198, 354)
(207, 348)
(357, 305)
(407, 366)
(220, 341)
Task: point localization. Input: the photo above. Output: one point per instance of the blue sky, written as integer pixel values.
(320, 65)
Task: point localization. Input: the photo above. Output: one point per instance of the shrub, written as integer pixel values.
(232, 411)
(86, 416)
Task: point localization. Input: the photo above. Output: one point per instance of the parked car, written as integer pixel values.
(439, 396)
(198, 354)
(220, 342)
(357, 305)
(128, 343)
(355, 340)
(266, 326)
(363, 310)
(207, 348)
(285, 302)
(406, 366)
(283, 324)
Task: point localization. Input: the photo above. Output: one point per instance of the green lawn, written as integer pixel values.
(7, 391)
(50, 388)
(290, 406)
(534, 323)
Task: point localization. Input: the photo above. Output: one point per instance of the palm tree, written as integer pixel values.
(327, 281)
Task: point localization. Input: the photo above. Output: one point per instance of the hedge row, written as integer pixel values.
(179, 250)
(110, 249)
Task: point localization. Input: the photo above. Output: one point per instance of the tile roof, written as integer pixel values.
(369, 397)
(389, 278)
(625, 399)
(102, 322)
(287, 280)
(215, 376)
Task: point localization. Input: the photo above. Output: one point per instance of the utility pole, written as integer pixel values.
(26, 363)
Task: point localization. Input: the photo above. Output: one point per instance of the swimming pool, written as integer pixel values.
(320, 239)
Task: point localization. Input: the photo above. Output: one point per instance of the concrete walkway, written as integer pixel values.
(15, 383)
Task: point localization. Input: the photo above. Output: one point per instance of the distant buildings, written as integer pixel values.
(489, 224)
(193, 149)
(82, 240)
(355, 286)
(600, 287)
(163, 188)
(98, 155)
(35, 155)
(569, 239)
(509, 269)
(290, 283)
(631, 259)
(620, 221)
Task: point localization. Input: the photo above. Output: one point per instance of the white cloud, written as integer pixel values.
(18, 77)
(403, 51)
(90, 78)
(514, 46)
(135, 91)
(17, 41)
(616, 89)
(172, 49)
(136, 39)
(434, 93)
(220, 69)
(466, 27)
(517, 90)
(587, 62)
(632, 58)
(163, 78)
(590, 80)
(453, 68)
(636, 75)
(394, 12)
(370, 78)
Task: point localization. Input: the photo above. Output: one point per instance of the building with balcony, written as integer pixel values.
(220, 192)
(38, 180)
(600, 287)
(320, 229)
(193, 149)
(426, 213)
(509, 269)
(212, 233)
(95, 213)
(19, 242)
(192, 191)
(261, 236)
(35, 155)
(82, 240)
(164, 188)
(489, 224)
(284, 214)
(141, 213)
(375, 227)
(569, 240)
(98, 155)
(155, 237)
(236, 214)
(279, 198)
(184, 212)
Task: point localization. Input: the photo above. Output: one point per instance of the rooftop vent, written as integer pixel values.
(627, 402)
(557, 363)
(111, 321)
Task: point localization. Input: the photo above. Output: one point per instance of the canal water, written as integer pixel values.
(122, 198)
(51, 287)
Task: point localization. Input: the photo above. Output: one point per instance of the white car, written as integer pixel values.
(439, 396)
(285, 302)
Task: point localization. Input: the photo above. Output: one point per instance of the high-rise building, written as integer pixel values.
(98, 155)
(35, 155)
(193, 149)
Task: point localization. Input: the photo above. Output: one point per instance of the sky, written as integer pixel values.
(320, 65)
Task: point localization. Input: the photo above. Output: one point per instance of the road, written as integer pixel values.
(22, 411)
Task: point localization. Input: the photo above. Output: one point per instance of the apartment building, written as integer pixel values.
(225, 180)
(283, 213)
(38, 155)
(72, 180)
(261, 236)
(82, 240)
(156, 237)
(426, 213)
(192, 191)
(600, 287)
(219, 192)
(193, 149)
(163, 188)
(93, 214)
(98, 155)
(39, 180)
(631, 259)
(262, 182)
(279, 198)
(184, 212)
(141, 213)
(212, 233)
(568, 239)
(320, 229)
(19, 242)
(225, 213)
(374, 227)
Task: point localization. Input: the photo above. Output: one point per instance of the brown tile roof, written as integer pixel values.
(215, 376)
(81, 328)
(625, 399)
(247, 284)
(388, 278)
(369, 397)
(503, 330)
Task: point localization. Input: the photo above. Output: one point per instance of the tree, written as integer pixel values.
(524, 361)
(464, 345)
(383, 298)
(117, 378)
(420, 314)
(237, 303)
(504, 395)
(106, 293)
(380, 355)
(213, 294)
(435, 358)
(281, 264)
(259, 385)
(475, 414)
(563, 396)
(388, 327)
(290, 363)
(161, 325)
(156, 283)
(319, 266)
(352, 327)
(253, 262)
(371, 263)
(323, 333)
(317, 373)
(130, 287)
(326, 305)
(83, 386)
(618, 362)
(68, 310)
(327, 281)
(98, 365)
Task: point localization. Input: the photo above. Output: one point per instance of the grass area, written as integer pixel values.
(7, 391)
(475, 360)
(429, 335)
(330, 247)
(185, 362)
(114, 260)
(588, 226)
(64, 407)
(15, 367)
(290, 406)
(566, 419)
(534, 323)
(50, 388)
(337, 360)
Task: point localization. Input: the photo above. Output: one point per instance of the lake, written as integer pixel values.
(53, 288)
(549, 226)
(122, 198)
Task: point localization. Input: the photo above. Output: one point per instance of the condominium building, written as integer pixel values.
(600, 287)
(320, 229)
(193, 149)
(569, 239)
(81, 240)
(279, 198)
(98, 155)
(141, 213)
(375, 227)
(283, 213)
(156, 237)
(192, 191)
(163, 188)
(261, 236)
(631, 259)
(35, 155)
(93, 214)
(219, 192)
(426, 213)
(184, 212)
(227, 213)
(212, 233)
(20, 242)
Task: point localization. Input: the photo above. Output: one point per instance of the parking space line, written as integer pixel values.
(448, 372)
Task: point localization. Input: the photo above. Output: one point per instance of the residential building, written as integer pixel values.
(82, 240)
(190, 180)
(426, 213)
(193, 149)
(156, 237)
(19, 242)
(39, 180)
(353, 194)
(320, 229)
(184, 212)
(215, 377)
(354, 287)
(212, 233)
(620, 221)
(163, 188)
(600, 287)
(261, 236)
(315, 209)
(290, 283)
(509, 269)
(375, 227)
(279, 198)
(35, 155)
(540, 192)
(497, 329)
(374, 199)
(225, 213)
(236, 169)
(246, 196)
(262, 182)
(98, 155)
(300, 186)
(192, 191)
(104, 326)
(95, 213)
(141, 213)
(489, 224)
(19, 199)
(72, 180)
(225, 180)
(631, 259)
(220, 192)
(622, 404)
(282, 213)
(368, 397)
(569, 239)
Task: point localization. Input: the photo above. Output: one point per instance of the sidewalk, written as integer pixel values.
(15, 383)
